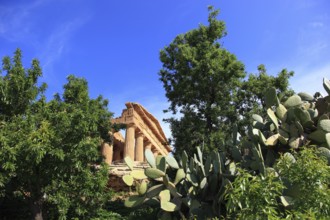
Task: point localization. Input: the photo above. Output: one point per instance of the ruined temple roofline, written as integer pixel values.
(140, 109)
(150, 120)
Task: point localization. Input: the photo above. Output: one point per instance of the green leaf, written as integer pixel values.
(180, 174)
(299, 127)
(165, 195)
(272, 140)
(273, 117)
(184, 160)
(172, 162)
(327, 138)
(302, 115)
(271, 98)
(161, 163)
(295, 142)
(168, 206)
(142, 188)
(173, 190)
(153, 173)
(129, 162)
(258, 118)
(313, 113)
(281, 112)
(150, 158)
(262, 139)
(283, 140)
(203, 183)
(305, 96)
(200, 155)
(128, 180)
(318, 136)
(324, 125)
(154, 190)
(166, 180)
(293, 101)
(192, 179)
(138, 174)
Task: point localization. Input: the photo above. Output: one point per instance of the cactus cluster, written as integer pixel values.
(292, 123)
(190, 187)
(195, 186)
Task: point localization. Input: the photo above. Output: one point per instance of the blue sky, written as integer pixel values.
(115, 44)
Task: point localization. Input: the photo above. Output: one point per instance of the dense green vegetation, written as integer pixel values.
(278, 169)
(49, 153)
(245, 147)
(205, 83)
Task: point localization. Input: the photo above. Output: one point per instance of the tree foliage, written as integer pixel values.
(201, 79)
(205, 83)
(19, 86)
(49, 151)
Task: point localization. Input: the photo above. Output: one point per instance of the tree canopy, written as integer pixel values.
(49, 150)
(200, 78)
(205, 83)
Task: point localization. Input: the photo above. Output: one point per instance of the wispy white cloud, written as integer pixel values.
(15, 21)
(311, 61)
(56, 43)
(316, 24)
(21, 24)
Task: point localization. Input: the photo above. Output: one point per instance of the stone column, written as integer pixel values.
(139, 154)
(107, 152)
(130, 141)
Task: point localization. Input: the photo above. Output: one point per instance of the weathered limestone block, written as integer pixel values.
(130, 142)
(139, 153)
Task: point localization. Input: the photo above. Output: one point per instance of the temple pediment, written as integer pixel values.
(143, 131)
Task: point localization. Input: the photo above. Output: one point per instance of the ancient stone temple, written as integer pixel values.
(143, 131)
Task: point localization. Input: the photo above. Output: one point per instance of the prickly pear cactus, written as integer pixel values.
(292, 123)
(195, 186)
(182, 189)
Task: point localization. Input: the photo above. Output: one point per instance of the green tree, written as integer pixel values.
(205, 83)
(49, 151)
(201, 79)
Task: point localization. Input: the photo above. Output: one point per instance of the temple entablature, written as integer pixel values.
(143, 131)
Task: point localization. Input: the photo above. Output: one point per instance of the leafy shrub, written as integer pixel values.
(254, 197)
(307, 183)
